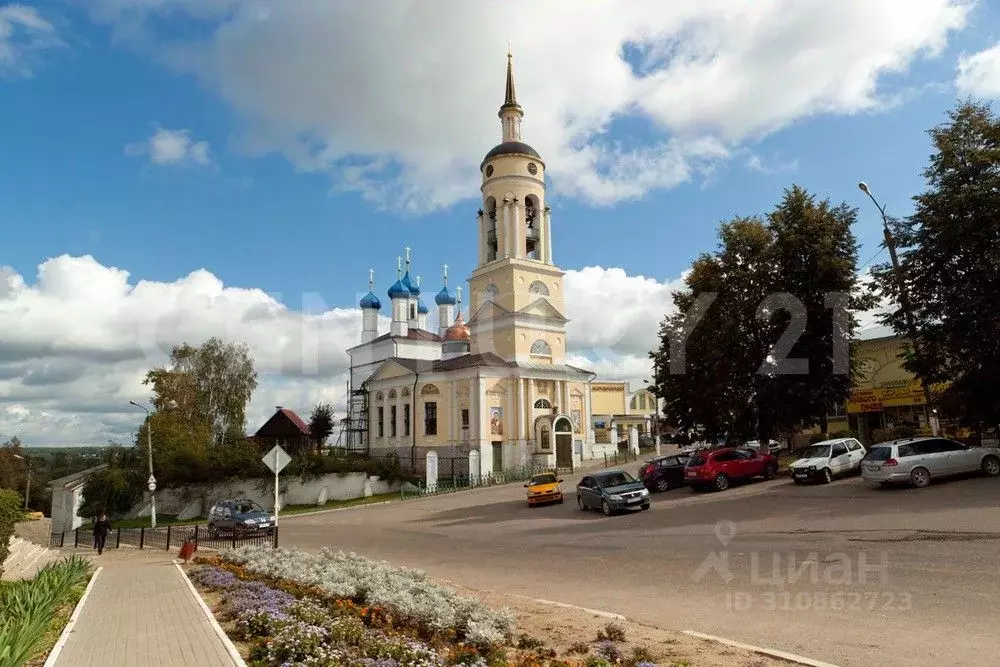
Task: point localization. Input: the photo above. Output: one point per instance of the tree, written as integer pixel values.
(950, 260)
(13, 470)
(116, 488)
(321, 424)
(211, 384)
(757, 345)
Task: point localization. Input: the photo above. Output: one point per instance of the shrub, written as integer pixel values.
(581, 648)
(10, 513)
(641, 657)
(612, 632)
(609, 651)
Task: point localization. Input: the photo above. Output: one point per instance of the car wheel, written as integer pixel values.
(826, 476)
(663, 484)
(797, 481)
(771, 471)
(582, 505)
(991, 466)
(920, 477)
(645, 507)
(606, 508)
(721, 482)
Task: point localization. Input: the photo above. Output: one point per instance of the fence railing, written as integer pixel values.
(464, 482)
(164, 538)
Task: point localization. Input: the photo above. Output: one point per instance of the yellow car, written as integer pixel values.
(544, 488)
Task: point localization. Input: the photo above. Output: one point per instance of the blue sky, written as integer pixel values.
(86, 85)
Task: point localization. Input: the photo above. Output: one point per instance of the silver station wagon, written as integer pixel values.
(916, 461)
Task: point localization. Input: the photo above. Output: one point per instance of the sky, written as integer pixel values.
(172, 170)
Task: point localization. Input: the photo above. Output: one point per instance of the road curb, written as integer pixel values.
(230, 648)
(566, 605)
(781, 655)
(50, 661)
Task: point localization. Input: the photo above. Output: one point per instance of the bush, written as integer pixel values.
(10, 513)
(888, 434)
(819, 437)
(612, 632)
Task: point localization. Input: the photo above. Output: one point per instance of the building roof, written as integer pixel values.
(77, 478)
(411, 334)
(281, 422)
(482, 360)
(370, 301)
(512, 148)
(510, 95)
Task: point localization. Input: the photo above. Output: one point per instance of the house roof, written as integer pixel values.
(483, 360)
(286, 416)
(77, 478)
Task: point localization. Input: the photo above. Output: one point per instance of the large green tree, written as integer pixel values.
(950, 262)
(321, 424)
(759, 343)
(210, 384)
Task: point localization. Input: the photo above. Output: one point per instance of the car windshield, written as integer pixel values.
(547, 478)
(614, 479)
(817, 452)
(247, 507)
(879, 454)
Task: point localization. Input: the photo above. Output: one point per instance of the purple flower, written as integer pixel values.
(609, 651)
(214, 577)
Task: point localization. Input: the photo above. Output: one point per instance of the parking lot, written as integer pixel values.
(846, 572)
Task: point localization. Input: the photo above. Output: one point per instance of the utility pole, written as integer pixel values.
(904, 302)
(151, 482)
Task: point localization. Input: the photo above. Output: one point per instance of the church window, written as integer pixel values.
(392, 394)
(406, 419)
(489, 170)
(392, 421)
(465, 417)
(543, 403)
(545, 437)
(538, 287)
(541, 348)
(430, 418)
(532, 221)
(490, 293)
(381, 422)
(413, 312)
(532, 168)
(378, 396)
(405, 392)
(490, 222)
(429, 389)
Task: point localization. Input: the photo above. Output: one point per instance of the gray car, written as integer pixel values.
(917, 461)
(611, 491)
(239, 518)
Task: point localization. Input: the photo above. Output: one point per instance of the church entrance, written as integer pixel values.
(497, 458)
(564, 443)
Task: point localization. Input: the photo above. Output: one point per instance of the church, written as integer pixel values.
(497, 384)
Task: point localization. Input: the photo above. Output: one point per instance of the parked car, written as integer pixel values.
(663, 472)
(611, 491)
(716, 469)
(239, 517)
(917, 461)
(772, 445)
(544, 488)
(825, 460)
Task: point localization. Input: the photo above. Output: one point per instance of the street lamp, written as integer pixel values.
(27, 488)
(904, 302)
(151, 482)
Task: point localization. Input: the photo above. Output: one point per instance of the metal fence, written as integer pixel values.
(164, 538)
(459, 482)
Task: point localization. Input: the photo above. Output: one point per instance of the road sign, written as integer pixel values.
(151, 483)
(277, 459)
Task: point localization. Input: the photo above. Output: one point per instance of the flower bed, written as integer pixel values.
(291, 609)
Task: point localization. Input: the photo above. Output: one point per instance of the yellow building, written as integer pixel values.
(616, 409)
(497, 386)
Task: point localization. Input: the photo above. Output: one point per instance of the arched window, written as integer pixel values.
(392, 394)
(538, 287)
(490, 293)
(543, 403)
(378, 396)
(405, 392)
(541, 348)
(429, 389)
(532, 238)
(634, 404)
(563, 425)
(491, 229)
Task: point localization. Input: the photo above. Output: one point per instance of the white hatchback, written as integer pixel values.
(825, 460)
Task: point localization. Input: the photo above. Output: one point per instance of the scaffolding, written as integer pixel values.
(354, 427)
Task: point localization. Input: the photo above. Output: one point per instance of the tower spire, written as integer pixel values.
(510, 96)
(510, 112)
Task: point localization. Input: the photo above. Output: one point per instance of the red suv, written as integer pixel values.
(715, 469)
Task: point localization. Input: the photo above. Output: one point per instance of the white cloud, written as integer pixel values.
(24, 36)
(78, 340)
(172, 147)
(399, 103)
(979, 74)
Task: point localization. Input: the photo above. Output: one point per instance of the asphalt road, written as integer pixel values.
(846, 573)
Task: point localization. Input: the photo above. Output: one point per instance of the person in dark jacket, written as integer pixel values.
(101, 529)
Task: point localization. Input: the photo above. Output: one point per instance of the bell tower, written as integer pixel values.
(516, 292)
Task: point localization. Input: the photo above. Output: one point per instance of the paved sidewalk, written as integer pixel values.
(142, 613)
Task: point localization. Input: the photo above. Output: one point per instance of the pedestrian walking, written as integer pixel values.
(101, 529)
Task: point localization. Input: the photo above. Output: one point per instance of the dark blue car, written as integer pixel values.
(611, 491)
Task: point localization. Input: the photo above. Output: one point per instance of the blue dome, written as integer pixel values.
(370, 301)
(421, 307)
(445, 298)
(408, 284)
(398, 290)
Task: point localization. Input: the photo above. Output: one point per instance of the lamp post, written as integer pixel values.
(904, 302)
(27, 488)
(151, 482)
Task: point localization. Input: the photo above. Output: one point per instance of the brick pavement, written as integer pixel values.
(141, 613)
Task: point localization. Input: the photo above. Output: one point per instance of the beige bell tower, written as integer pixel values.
(516, 292)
